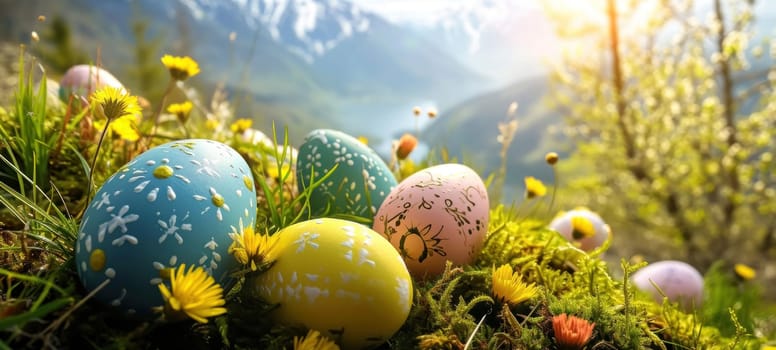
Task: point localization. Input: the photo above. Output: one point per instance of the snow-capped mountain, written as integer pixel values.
(487, 36)
(308, 28)
(505, 40)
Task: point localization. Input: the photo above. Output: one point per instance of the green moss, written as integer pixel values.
(573, 282)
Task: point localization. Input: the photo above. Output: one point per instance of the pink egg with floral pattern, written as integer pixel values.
(435, 215)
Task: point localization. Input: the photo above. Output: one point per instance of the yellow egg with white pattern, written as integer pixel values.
(340, 278)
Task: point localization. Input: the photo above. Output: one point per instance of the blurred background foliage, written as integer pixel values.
(673, 118)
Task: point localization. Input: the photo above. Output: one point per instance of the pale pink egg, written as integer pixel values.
(435, 215)
(83, 79)
(676, 280)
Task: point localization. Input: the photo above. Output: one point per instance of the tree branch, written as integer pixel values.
(729, 111)
(619, 87)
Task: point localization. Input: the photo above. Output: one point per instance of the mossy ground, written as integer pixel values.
(445, 314)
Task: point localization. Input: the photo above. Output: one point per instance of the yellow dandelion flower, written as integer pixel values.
(745, 272)
(241, 125)
(180, 110)
(250, 248)
(512, 109)
(181, 68)
(192, 293)
(126, 128)
(508, 286)
(314, 341)
(534, 187)
(581, 227)
(282, 172)
(551, 158)
(113, 103)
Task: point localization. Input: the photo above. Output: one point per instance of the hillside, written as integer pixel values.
(469, 130)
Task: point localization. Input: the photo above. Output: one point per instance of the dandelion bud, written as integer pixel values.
(416, 111)
(551, 158)
(512, 109)
(406, 144)
(34, 36)
(432, 113)
(41, 18)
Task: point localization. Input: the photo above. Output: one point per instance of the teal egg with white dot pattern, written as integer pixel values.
(174, 204)
(358, 185)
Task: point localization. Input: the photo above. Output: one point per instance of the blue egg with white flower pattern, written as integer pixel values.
(177, 203)
(359, 184)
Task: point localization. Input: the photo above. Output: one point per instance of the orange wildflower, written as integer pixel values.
(571, 332)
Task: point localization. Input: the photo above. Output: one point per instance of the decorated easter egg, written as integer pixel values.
(255, 137)
(582, 227)
(357, 186)
(679, 281)
(340, 278)
(83, 79)
(173, 204)
(435, 215)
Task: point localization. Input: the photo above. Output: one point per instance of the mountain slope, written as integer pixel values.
(308, 28)
(470, 130)
(371, 60)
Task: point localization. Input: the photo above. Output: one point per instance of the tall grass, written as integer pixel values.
(40, 249)
(32, 135)
(26, 144)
